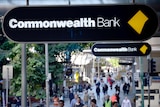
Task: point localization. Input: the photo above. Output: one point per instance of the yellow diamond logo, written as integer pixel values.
(138, 21)
(143, 49)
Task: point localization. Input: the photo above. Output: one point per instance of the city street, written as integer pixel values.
(111, 92)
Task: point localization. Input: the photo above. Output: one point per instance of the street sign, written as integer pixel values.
(80, 23)
(136, 76)
(121, 49)
(7, 71)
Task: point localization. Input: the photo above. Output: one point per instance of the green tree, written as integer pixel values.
(114, 62)
(35, 64)
(35, 72)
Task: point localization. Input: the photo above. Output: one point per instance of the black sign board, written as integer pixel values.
(152, 91)
(121, 49)
(80, 23)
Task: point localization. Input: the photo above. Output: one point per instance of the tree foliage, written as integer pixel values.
(36, 64)
(35, 71)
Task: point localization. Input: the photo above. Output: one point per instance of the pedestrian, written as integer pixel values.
(55, 101)
(118, 98)
(114, 98)
(124, 88)
(95, 79)
(117, 88)
(73, 102)
(130, 79)
(98, 83)
(98, 92)
(61, 103)
(121, 79)
(93, 103)
(88, 86)
(18, 101)
(126, 103)
(127, 88)
(110, 81)
(40, 103)
(105, 88)
(71, 95)
(115, 104)
(107, 101)
(78, 103)
(86, 98)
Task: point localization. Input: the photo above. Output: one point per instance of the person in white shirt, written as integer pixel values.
(126, 103)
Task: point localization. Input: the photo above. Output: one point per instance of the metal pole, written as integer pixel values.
(93, 70)
(133, 71)
(24, 77)
(7, 80)
(47, 69)
(24, 74)
(98, 69)
(141, 74)
(148, 80)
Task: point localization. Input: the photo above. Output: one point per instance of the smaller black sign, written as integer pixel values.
(146, 97)
(152, 91)
(121, 49)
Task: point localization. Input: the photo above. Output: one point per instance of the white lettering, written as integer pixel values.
(82, 22)
(101, 22)
(70, 23)
(46, 24)
(121, 49)
(60, 24)
(91, 23)
(33, 24)
(77, 23)
(13, 23)
(20, 24)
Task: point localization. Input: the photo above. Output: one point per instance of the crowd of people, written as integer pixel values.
(75, 102)
(91, 97)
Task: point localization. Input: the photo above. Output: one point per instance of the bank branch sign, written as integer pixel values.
(80, 23)
(121, 49)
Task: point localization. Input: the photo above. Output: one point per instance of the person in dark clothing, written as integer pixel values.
(79, 103)
(71, 96)
(117, 88)
(98, 83)
(122, 79)
(98, 92)
(115, 104)
(124, 88)
(61, 103)
(117, 97)
(93, 103)
(130, 79)
(105, 89)
(127, 88)
(18, 102)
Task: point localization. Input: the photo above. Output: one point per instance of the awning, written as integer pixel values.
(81, 58)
